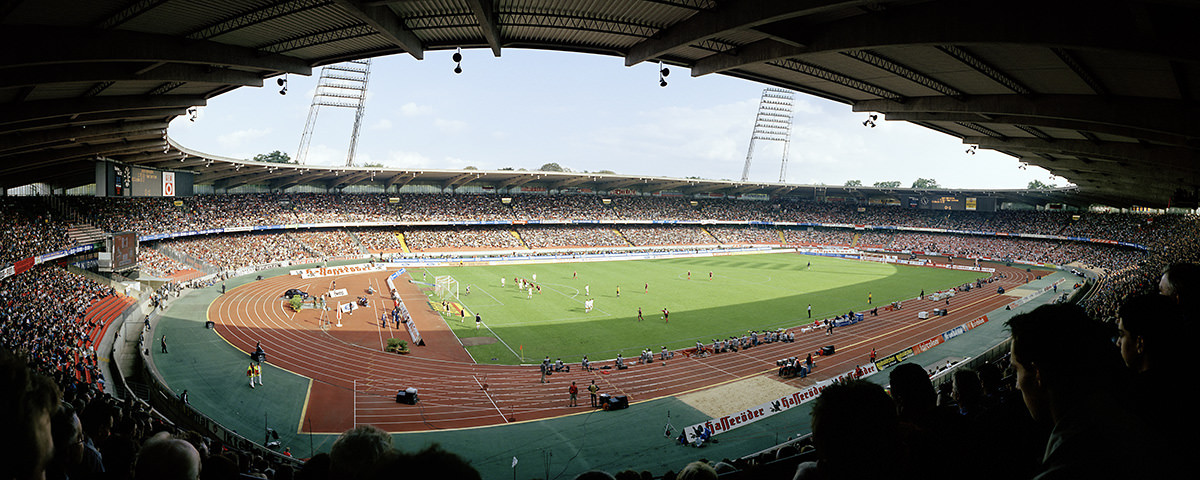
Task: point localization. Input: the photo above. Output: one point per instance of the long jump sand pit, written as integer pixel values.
(737, 396)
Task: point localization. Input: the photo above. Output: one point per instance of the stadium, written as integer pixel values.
(402, 313)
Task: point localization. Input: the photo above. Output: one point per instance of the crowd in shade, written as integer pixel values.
(42, 316)
(28, 229)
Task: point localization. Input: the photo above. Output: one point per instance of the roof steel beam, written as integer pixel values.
(1130, 114)
(1159, 157)
(243, 19)
(13, 142)
(128, 13)
(941, 23)
(1080, 71)
(387, 23)
(73, 73)
(47, 109)
(727, 18)
(485, 12)
(49, 158)
(987, 69)
(41, 45)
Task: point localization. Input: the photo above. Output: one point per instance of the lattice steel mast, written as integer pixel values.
(773, 122)
(341, 85)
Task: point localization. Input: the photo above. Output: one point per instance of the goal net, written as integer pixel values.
(445, 287)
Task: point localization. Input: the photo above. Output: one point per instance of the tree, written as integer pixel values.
(273, 157)
(610, 172)
(888, 184)
(373, 165)
(551, 167)
(470, 167)
(1038, 185)
(853, 183)
(925, 183)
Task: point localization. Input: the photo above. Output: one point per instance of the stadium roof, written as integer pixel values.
(1101, 93)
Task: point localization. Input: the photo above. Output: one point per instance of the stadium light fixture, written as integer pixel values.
(870, 121)
(282, 82)
(971, 149)
(192, 113)
(663, 72)
(457, 57)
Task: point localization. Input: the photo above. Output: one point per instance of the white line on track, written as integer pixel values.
(489, 396)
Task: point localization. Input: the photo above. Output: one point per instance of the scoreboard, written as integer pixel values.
(953, 202)
(121, 252)
(120, 180)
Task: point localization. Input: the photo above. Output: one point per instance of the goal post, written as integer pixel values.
(445, 287)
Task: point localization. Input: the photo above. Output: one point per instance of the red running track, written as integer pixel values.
(354, 380)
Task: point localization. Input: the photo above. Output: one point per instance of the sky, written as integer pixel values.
(586, 113)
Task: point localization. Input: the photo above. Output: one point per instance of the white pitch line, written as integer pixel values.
(485, 292)
(489, 396)
(485, 325)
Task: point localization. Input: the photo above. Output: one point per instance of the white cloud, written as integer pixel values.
(450, 126)
(382, 124)
(238, 138)
(411, 109)
(322, 154)
(406, 159)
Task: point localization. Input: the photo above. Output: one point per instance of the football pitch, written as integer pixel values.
(745, 292)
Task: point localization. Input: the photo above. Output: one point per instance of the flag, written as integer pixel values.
(514, 462)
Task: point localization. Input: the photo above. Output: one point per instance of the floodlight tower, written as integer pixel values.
(774, 123)
(341, 85)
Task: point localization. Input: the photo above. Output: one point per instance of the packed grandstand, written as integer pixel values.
(52, 314)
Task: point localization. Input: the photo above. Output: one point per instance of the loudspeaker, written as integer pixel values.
(827, 350)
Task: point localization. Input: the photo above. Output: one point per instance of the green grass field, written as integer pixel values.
(747, 292)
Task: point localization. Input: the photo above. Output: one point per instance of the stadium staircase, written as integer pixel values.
(623, 237)
(84, 234)
(782, 239)
(854, 241)
(96, 320)
(710, 234)
(517, 235)
(403, 244)
(362, 247)
(312, 252)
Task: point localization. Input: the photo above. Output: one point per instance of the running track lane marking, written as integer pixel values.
(769, 370)
(489, 397)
